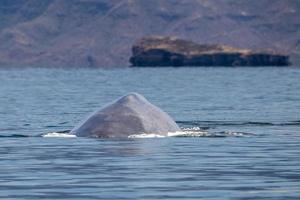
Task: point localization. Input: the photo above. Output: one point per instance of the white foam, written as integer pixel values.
(54, 134)
(236, 134)
(186, 132)
(189, 133)
(171, 134)
(192, 129)
(146, 136)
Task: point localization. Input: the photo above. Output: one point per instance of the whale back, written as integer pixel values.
(131, 114)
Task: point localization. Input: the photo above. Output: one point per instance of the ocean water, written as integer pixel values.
(243, 141)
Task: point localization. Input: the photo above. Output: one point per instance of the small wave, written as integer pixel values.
(146, 136)
(234, 134)
(186, 132)
(59, 134)
(236, 123)
(14, 136)
(194, 132)
(190, 132)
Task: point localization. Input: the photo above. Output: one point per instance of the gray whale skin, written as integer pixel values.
(131, 114)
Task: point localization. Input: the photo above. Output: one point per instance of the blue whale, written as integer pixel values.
(132, 114)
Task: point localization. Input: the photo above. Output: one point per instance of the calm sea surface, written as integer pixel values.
(251, 149)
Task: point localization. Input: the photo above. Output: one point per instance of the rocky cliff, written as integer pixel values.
(168, 51)
(100, 33)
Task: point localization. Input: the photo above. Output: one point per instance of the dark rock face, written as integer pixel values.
(167, 51)
(100, 33)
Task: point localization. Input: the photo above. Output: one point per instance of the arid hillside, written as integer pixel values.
(100, 33)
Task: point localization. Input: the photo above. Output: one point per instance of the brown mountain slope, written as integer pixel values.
(100, 33)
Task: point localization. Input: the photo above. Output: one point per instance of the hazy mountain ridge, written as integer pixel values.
(100, 33)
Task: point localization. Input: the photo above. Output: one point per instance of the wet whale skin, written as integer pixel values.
(131, 114)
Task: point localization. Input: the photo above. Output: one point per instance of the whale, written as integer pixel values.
(131, 114)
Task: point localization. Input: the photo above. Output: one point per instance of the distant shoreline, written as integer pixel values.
(168, 51)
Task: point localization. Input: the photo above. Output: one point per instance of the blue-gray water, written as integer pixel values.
(261, 103)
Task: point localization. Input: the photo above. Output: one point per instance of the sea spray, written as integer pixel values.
(57, 134)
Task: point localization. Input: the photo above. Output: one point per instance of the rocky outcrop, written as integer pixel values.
(169, 51)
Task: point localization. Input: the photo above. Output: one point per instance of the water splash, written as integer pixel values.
(144, 135)
(59, 134)
(194, 132)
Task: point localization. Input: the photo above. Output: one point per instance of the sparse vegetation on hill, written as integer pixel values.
(100, 33)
